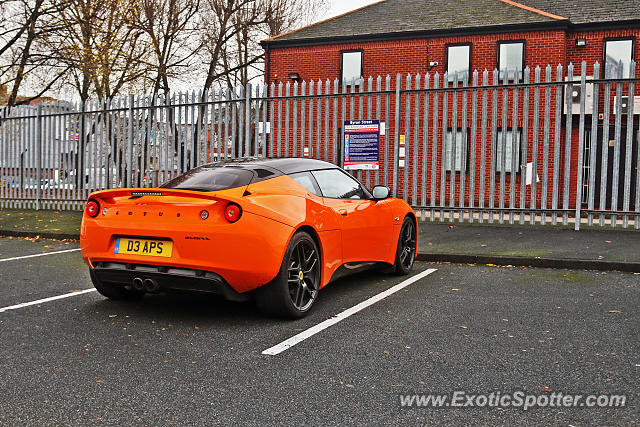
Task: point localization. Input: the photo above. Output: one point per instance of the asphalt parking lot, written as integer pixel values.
(192, 360)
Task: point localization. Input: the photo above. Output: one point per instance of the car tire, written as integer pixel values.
(406, 249)
(119, 293)
(294, 290)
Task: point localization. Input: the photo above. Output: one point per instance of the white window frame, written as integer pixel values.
(510, 71)
(342, 64)
(461, 75)
(626, 64)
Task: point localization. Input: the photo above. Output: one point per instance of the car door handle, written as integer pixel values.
(342, 212)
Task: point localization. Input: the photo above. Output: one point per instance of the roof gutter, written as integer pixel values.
(614, 25)
(406, 35)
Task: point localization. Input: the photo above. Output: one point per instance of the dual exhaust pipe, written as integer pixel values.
(147, 285)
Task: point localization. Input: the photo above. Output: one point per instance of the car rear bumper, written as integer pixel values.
(123, 274)
(246, 255)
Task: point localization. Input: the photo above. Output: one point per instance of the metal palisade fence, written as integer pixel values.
(547, 146)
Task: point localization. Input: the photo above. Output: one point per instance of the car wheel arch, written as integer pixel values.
(413, 217)
(316, 238)
(314, 234)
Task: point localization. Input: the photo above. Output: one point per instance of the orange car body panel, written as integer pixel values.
(249, 252)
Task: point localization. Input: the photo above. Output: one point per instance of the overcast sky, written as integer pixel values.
(339, 7)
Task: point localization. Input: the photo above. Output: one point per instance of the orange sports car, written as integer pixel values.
(275, 229)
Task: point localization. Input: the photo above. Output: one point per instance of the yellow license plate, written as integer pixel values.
(129, 246)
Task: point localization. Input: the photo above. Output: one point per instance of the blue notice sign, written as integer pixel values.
(362, 144)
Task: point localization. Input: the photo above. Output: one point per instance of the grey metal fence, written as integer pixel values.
(548, 145)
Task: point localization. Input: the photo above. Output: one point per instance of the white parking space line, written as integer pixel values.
(41, 301)
(287, 344)
(37, 255)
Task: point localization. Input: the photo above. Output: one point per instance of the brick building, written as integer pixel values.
(458, 36)
(406, 36)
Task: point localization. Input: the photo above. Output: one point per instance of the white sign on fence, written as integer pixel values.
(529, 174)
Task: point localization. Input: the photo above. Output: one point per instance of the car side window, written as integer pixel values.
(338, 185)
(307, 181)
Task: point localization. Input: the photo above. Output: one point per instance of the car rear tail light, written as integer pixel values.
(232, 212)
(93, 208)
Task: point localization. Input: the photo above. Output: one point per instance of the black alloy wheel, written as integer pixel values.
(303, 275)
(292, 293)
(406, 251)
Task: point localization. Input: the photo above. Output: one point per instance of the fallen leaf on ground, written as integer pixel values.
(463, 327)
(615, 311)
(545, 388)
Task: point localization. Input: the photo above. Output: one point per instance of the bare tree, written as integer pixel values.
(232, 30)
(22, 24)
(101, 47)
(171, 27)
(220, 23)
(285, 15)
(97, 40)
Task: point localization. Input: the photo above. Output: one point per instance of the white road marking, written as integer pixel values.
(287, 344)
(40, 301)
(37, 255)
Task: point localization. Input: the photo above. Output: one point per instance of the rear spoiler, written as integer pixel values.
(154, 192)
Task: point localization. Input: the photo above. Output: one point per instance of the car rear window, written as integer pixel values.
(207, 178)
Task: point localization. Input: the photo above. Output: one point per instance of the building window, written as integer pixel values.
(351, 66)
(458, 61)
(508, 149)
(616, 50)
(510, 58)
(462, 148)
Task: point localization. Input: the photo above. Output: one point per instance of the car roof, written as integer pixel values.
(284, 166)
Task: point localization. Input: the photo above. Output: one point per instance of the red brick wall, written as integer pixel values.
(412, 56)
(593, 51)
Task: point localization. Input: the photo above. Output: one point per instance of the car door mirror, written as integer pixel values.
(380, 192)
